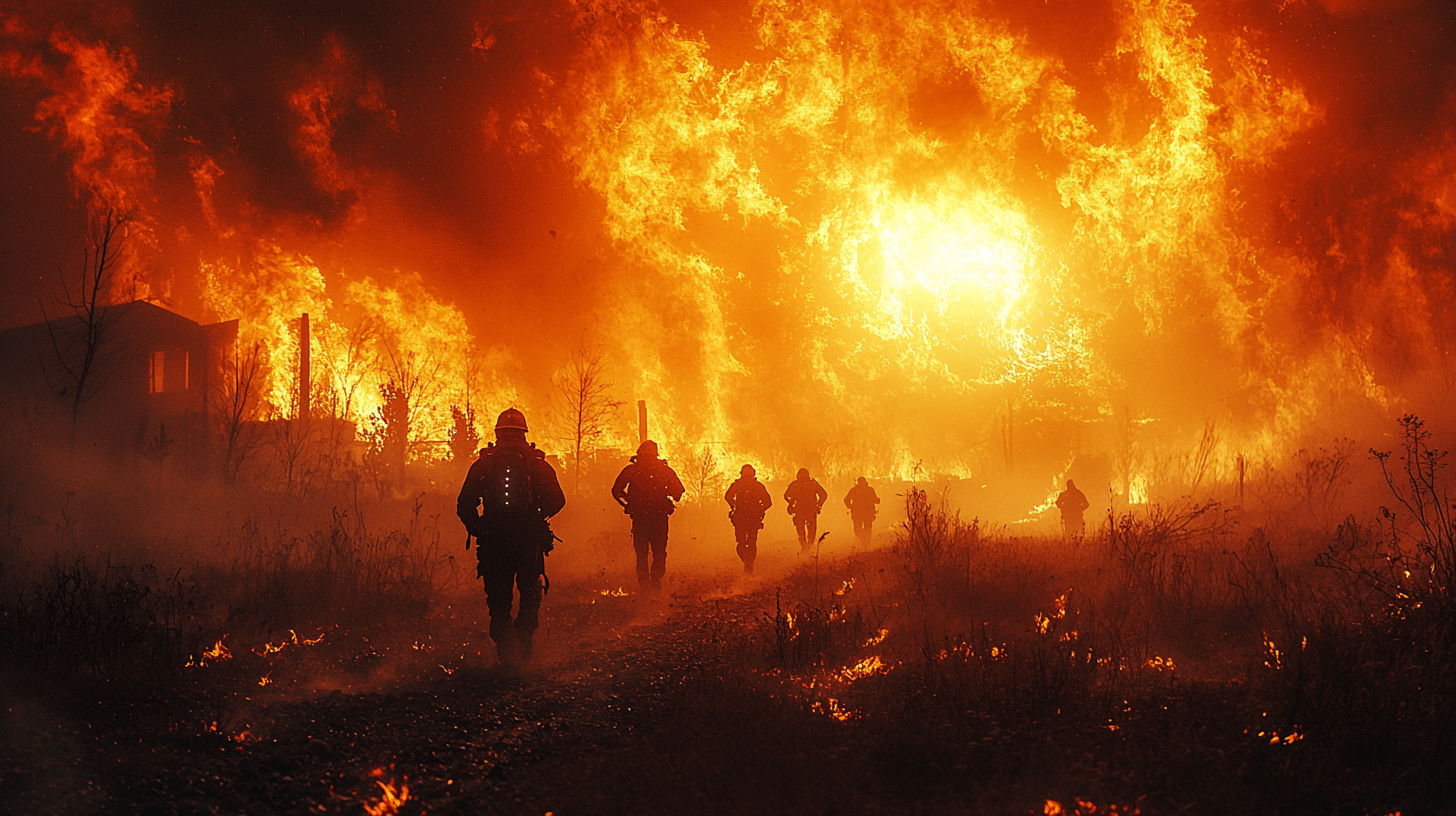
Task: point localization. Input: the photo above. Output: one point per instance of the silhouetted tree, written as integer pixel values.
(234, 403)
(348, 356)
(583, 405)
(84, 358)
(464, 439)
(387, 434)
(292, 441)
(412, 387)
(704, 476)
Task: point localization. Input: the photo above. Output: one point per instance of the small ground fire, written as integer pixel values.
(957, 405)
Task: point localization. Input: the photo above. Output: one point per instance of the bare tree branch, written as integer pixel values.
(235, 403)
(81, 350)
(583, 406)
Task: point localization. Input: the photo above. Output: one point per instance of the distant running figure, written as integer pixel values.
(648, 489)
(748, 501)
(805, 498)
(1072, 504)
(862, 503)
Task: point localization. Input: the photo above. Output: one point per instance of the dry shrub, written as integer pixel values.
(1171, 571)
(810, 636)
(338, 575)
(932, 539)
(1358, 658)
(92, 619)
(81, 618)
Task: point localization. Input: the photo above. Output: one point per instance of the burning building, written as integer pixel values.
(1135, 243)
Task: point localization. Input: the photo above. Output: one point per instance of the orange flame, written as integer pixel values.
(217, 654)
(102, 115)
(874, 240)
(392, 797)
(869, 666)
(274, 648)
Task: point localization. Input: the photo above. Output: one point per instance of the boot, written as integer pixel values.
(506, 652)
(523, 646)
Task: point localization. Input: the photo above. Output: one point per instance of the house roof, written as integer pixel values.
(138, 315)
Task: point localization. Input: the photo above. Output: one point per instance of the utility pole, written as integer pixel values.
(304, 377)
(1243, 469)
(641, 421)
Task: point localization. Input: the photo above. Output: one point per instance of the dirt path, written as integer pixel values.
(436, 716)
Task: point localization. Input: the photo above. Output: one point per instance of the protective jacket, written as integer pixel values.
(648, 488)
(747, 501)
(862, 502)
(805, 497)
(1072, 502)
(510, 491)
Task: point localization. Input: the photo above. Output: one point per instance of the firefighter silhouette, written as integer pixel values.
(805, 498)
(1072, 504)
(862, 503)
(647, 488)
(748, 501)
(506, 504)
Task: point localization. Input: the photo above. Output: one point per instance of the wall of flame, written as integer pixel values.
(903, 239)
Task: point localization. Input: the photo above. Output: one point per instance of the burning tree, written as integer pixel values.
(84, 359)
(583, 407)
(348, 354)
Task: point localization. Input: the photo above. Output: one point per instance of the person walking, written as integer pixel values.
(506, 503)
(805, 497)
(648, 489)
(748, 501)
(863, 506)
(1073, 504)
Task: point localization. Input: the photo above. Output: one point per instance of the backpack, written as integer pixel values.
(651, 487)
(507, 494)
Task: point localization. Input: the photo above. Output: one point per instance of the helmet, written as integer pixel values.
(803, 473)
(648, 449)
(511, 419)
(863, 481)
(747, 470)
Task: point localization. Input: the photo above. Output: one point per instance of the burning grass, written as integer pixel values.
(85, 616)
(1175, 655)
(1171, 641)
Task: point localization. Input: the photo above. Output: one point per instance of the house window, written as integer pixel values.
(169, 371)
(157, 372)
